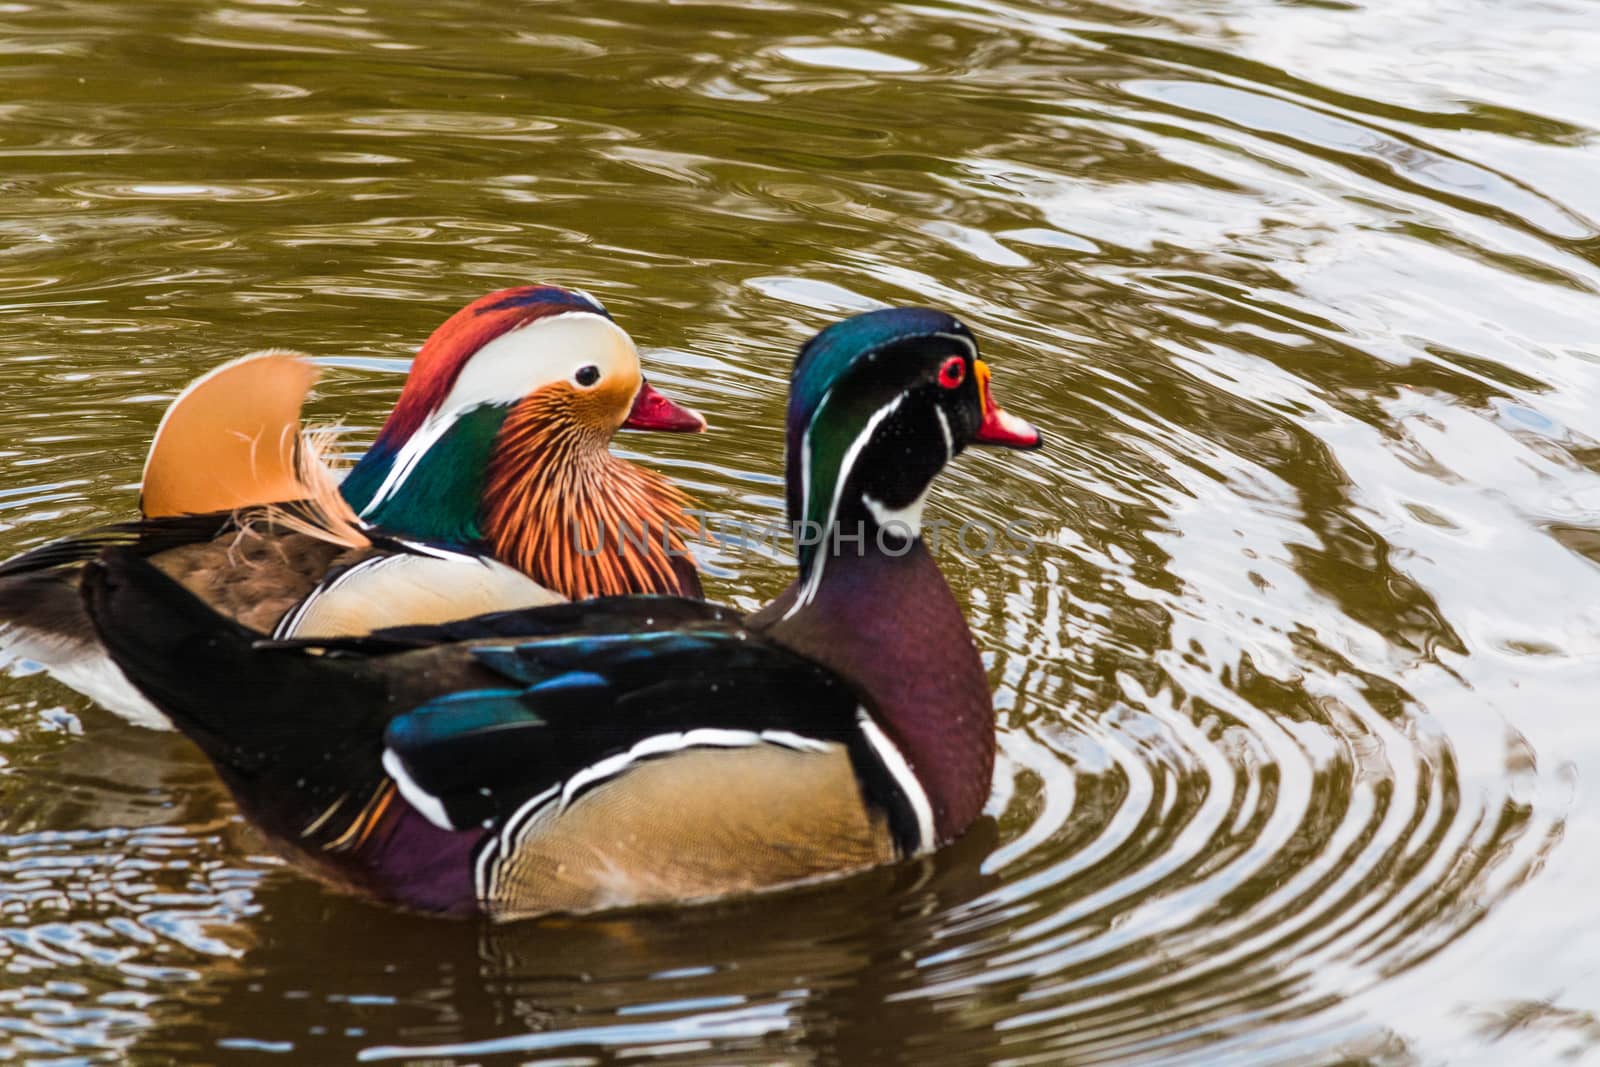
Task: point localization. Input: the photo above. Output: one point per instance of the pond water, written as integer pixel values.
(1297, 692)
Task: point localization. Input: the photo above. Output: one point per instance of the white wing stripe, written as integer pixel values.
(795, 741)
(895, 763)
(411, 452)
(662, 744)
(427, 804)
(484, 873)
(291, 622)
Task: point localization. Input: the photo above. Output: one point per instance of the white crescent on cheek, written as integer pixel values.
(525, 360)
(514, 365)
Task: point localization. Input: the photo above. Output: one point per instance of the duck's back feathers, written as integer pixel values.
(648, 767)
(251, 568)
(145, 536)
(256, 571)
(602, 615)
(565, 702)
(42, 621)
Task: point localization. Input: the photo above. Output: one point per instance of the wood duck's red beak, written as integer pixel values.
(1000, 427)
(652, 411)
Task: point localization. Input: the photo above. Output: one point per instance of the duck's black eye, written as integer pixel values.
(587, 375)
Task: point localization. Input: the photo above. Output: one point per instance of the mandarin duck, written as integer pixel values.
(631, 751)
(487, 488)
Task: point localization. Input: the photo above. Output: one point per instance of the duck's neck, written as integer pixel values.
(431, 485)
(890, 624)
(540, 494)
(561, 508)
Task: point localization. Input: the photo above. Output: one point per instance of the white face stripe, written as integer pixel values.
(911, 514)
(514, 365)
(805, 459)
(964, 342)
(949, 438)
(547, 350)
(904, 777)
(809, 591)
(944, 423)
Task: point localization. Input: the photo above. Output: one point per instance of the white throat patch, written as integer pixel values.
(905, 521)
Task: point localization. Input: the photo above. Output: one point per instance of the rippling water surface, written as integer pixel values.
(1297, 696)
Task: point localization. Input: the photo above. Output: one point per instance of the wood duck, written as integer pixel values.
(488, 488)
(631, 751)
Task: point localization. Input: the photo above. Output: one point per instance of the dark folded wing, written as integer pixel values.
(146, 537)
(582, 710)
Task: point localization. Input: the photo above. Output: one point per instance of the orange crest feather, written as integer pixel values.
(232, 440)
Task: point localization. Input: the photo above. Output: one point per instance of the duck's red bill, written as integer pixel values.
(1000, 427)
(652, 411)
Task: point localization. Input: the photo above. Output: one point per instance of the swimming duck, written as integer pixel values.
(631, 750)
(489, 487)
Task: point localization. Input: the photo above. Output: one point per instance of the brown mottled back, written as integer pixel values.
(253, 578)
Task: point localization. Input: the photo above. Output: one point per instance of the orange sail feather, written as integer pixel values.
(232, 440)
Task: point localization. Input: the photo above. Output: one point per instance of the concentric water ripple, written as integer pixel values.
(1294, 685)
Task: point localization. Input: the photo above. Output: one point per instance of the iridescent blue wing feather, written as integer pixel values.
(606, 699)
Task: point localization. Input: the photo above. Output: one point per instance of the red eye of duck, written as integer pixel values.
(953, 372)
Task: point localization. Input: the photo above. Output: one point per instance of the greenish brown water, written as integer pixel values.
(1298, 700)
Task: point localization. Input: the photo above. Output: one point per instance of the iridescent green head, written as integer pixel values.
(878, 404)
